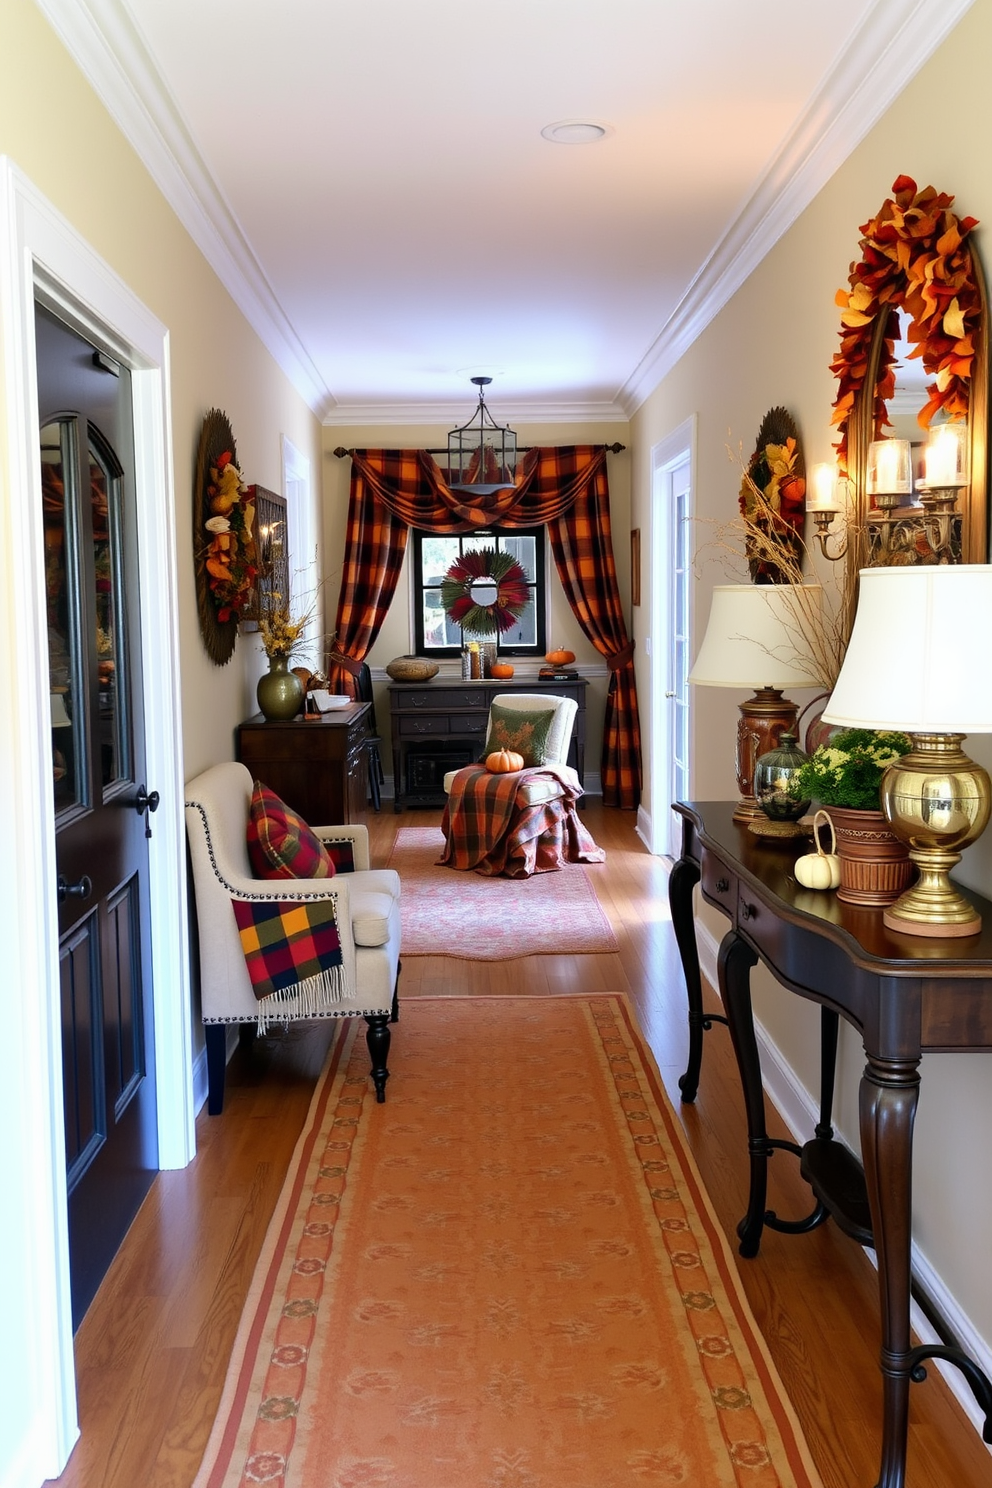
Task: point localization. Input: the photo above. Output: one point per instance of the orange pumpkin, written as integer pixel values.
(501, 669)
(504, 762)
(560, 657)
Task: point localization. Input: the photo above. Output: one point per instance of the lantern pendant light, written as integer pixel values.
(482, 455)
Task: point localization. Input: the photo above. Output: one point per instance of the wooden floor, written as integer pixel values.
(152, 1351)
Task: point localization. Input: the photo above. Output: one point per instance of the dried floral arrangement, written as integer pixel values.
(776, 470)
(759, 533)
(915, 253)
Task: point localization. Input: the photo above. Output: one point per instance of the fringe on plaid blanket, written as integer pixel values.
(310, 999)
(293, 956)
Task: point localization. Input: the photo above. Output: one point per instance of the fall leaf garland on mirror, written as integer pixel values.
(224, 555)
(915, 254)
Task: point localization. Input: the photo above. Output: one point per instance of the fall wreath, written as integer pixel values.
(223, 542)
(915, 254)
(773, 488)
(485, 565)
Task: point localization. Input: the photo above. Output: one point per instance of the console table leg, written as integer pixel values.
(681, 882)
(735, 961)
(888, 1099)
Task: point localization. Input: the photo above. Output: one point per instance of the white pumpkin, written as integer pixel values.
(819, 870)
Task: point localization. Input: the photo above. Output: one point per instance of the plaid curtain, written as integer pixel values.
(564, 489)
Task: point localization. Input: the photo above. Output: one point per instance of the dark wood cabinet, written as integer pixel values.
(441, 725)
(320, 769)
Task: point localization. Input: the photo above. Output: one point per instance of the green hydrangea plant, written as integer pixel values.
(848, 770)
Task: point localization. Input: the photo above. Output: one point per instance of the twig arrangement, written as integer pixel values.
(821, 632)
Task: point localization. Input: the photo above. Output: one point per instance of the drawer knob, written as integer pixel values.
(722, 885)
(749, 912)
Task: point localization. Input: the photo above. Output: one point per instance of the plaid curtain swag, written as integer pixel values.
(565, 489)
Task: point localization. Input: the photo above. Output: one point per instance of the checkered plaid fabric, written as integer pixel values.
(485, 829)
(566, 489)
(293, 955)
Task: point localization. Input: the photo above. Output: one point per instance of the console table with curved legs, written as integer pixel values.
(904, 994)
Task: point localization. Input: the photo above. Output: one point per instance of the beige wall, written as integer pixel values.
(55, 130)
(396, 636)
(772, 345)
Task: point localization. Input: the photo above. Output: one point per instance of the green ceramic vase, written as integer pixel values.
(279, 691)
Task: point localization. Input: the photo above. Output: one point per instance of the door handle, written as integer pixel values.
(143, 803)
(81, 890)
(669, 694)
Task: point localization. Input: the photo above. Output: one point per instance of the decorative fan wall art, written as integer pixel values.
(223, 539)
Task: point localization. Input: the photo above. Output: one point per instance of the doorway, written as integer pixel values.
(672, 462)
(45, 260)
(102, 808)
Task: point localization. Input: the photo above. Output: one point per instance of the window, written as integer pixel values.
(435, 634)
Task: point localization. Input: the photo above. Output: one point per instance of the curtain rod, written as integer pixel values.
(522, 449)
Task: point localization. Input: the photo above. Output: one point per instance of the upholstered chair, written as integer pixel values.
(533, 792)
(366, 902)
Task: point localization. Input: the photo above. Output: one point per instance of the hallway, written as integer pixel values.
(152, 1352)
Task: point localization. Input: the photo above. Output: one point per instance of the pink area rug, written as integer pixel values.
(450, 913)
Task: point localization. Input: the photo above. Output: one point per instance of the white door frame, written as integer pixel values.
(41, 254)
(665, 456)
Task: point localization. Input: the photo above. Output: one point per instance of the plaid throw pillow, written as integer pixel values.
(280, 844)
(524, 733)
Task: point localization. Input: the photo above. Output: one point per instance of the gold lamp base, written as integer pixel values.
(937, 801)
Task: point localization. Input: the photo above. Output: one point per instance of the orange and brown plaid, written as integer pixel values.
(565, 489)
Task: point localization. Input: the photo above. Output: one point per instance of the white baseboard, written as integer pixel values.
(800, 1110)
(200, 1080)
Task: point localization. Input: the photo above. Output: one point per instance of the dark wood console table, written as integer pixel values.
(320, 769)
(440, 725)
(904, 994)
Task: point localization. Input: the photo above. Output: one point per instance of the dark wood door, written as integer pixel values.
(97, 779)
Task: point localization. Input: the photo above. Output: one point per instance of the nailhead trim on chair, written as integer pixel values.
(349, 1012)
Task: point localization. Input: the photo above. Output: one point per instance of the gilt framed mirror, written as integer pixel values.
(913, 355)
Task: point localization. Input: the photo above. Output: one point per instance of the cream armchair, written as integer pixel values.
(533, 792)
(367, 905)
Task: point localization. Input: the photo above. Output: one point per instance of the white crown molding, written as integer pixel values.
(450, 412)
(107, 46)
(889, 47)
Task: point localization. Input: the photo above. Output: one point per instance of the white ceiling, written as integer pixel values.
(370, 179)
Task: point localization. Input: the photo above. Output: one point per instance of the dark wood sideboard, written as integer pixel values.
(904, 994)
(441, 725)
(320, 769)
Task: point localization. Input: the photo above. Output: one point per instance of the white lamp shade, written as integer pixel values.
(754, 637)
(915, 660)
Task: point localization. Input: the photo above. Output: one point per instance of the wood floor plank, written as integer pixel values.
(151, 1355)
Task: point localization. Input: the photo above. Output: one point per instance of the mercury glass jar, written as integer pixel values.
(773, 774)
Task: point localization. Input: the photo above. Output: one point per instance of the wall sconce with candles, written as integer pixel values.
(945, 475)
(827, 496)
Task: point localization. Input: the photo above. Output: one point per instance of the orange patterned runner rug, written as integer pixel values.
(508, 1276)
(447, 912)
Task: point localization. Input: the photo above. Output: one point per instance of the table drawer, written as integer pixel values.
(719, 885)
(435, 699)
(468, 723)
(429, 723)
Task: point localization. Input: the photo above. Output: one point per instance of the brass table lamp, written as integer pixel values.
(911, 666)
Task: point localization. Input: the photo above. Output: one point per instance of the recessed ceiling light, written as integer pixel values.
(576, 132)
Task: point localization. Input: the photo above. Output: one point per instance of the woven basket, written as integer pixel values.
(412, 669)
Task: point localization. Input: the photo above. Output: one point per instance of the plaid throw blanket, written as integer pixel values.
(293, 955)
(485, 828)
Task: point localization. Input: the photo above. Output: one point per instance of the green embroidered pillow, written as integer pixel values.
(525, 733)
